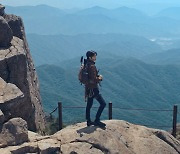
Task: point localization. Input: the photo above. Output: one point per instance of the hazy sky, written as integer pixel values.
(145, 5)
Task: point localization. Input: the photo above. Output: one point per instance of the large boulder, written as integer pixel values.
(10, 96)
(14, 132)
(15, 23)
(118, 137)
(8, 92)
(6, 33)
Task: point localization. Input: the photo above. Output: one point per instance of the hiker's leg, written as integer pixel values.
(88, 108)
(102, 103)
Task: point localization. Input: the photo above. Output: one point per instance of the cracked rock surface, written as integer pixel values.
(17, 68)
(5, 33)
(118, 137)
(8, 92)
(13, 132)
(15, 49)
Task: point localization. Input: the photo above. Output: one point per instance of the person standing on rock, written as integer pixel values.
(92, 90)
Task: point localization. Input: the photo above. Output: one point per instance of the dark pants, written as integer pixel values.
(101, 101)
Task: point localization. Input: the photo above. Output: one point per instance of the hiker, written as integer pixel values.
(92, 89)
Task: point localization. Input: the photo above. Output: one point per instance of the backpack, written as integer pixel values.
(83, 75)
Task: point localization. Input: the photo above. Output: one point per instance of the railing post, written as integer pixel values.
(174, 120)
(110, 110)
(60, 115)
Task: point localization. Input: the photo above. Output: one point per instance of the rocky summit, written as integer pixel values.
(21, 112)
(19, 85)
(119, 137)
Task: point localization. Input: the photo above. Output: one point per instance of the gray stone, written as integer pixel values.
(118, 137)
(16, 25)
(14, 132)
(17, 67)
(8, 92)
(10, 96)
(6, 33)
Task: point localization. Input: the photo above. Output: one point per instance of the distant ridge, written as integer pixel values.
(171, 12)
(35, 11)
(96, 20)
(169, 57)
(128, 83)
(51, 49)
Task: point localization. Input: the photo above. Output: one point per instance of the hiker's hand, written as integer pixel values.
(100, 77)
(82, 66)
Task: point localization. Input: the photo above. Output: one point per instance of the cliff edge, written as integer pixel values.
(17, 70)
(118, 137)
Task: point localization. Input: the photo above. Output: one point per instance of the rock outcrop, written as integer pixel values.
(14, 132)
(16, 25)
(16, 67)
(8, 93)
(118, 137)
(19, 97)
(10, 96)
(6, 33)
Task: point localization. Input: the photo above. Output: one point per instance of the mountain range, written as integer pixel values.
(172, 12)
(53, 49)
(57, 38)
(128, 83)
(49, 20)
(169, 57)
(57, 49)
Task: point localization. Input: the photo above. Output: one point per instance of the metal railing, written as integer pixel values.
(110, 114)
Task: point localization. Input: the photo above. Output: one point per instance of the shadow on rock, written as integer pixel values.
(89, 130)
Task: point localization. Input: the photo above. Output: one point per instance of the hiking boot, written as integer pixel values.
(99, 123)
(89, 123)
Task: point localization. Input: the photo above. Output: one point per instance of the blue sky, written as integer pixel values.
(88, 3)
(144, 5)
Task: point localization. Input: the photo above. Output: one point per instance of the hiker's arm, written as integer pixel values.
(93, 74)
(100, 77)
(82, 66)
